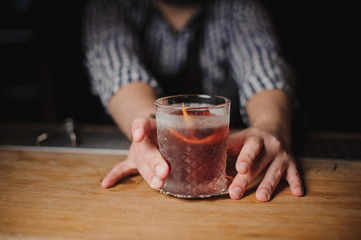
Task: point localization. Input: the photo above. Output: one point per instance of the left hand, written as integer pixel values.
(257, 150)
(143, 157)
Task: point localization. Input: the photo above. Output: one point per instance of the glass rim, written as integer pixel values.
(158, 103)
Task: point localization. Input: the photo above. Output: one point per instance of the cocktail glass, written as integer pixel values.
(192, 135)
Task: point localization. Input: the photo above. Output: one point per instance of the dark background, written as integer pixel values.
(43, 78)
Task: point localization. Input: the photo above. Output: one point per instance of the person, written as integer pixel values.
(137, 51)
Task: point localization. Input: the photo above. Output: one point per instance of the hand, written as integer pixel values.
(143, 157)
(258, 149)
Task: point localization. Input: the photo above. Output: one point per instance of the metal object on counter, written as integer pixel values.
(69, 128)
(64, 134)
(45, 135)
(42, 137)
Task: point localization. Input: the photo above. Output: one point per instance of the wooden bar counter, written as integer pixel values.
(57, 195)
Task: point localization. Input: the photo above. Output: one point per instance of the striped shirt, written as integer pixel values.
(239, 53)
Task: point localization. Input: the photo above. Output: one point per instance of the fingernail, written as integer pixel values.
(264, 193)
(156, 182)
(243, 167)
(136, 135)
(237, 192)
(159, 170)
(103, 184)
(299, 191)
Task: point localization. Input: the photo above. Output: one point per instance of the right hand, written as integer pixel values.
(144, 157)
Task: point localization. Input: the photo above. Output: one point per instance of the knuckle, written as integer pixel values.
(295, 182)
(151, 158)
(256, 141)
(244, 157)
(276, 143)
(277, 172)
(276, 175)
(241, 181)
(147, 174)
(269, 186)
(248, 157)
(255, 131)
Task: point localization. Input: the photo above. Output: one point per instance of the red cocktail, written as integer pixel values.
(192, 137)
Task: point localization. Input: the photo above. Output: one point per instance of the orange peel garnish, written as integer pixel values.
(185, 113)
(210, 139)
(187, 119)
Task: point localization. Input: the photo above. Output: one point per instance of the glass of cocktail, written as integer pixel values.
(192, 135)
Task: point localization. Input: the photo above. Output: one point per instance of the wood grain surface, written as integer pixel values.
(58, 196)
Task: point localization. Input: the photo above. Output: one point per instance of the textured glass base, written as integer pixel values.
(223, 192)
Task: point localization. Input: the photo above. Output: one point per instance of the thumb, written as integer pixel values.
(120, 170)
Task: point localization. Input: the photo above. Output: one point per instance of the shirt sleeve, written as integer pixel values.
(256, 61)
(111, 50)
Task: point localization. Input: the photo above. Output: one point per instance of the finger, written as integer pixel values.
(271, 179)
(149, 175)
(140, 127)
(249, 152)
(241, 181)
(146, 148)
(239, 186)
(235, 142)
(294, 180)
(119, 171)
(151, 156)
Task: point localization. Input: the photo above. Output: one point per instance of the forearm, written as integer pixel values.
(271, 110)
(134, 100)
